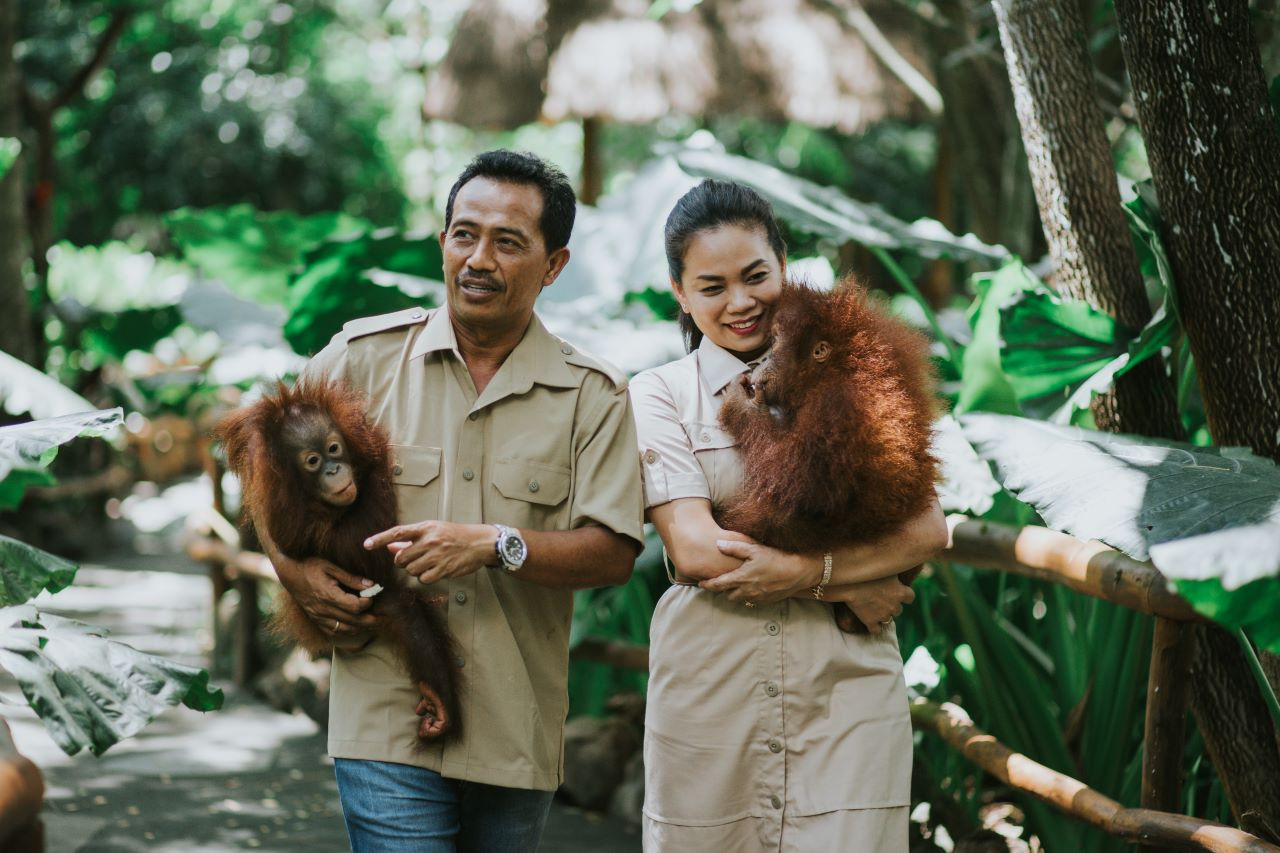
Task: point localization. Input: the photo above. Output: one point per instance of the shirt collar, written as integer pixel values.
(539, 358)
(718, 366)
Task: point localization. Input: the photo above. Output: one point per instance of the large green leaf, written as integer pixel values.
(115, 276)
(25, 571)
(10, 148)
(252, 251)
(1051, 345)
(91, 691)
(985, 386)
(116, 334)
(1048, 353)
(35, 444)
(830, 213)
(26, 391)
(372, 274)
(1208, 518)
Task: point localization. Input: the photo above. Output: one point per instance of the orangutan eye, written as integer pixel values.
(821, 351)
(312, 461)
(335, 449)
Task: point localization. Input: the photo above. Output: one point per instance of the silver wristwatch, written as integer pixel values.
(511, 549)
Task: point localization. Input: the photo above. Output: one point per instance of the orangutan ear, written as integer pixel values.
(821, 351)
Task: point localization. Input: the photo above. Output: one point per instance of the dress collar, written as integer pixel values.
(718, 366)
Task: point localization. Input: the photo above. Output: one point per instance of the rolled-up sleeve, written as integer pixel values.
(667, 460)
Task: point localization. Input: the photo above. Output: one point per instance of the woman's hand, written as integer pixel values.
(875, 603)
(766, 574)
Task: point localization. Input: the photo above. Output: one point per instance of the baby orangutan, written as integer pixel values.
(316, 478)
(833, 427)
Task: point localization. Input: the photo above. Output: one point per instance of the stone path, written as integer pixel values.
(243, 778)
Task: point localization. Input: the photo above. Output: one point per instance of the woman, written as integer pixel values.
(767, 728)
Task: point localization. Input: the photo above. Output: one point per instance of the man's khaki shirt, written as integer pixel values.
(549, 445)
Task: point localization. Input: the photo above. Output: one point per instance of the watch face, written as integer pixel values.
(513, 549)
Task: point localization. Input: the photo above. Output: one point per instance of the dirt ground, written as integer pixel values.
(246, 777)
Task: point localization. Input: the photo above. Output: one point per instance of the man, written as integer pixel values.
(516, 474)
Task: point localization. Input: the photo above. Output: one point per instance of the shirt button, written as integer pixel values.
(772, 628)
(416, 315)
(775, 745)
(473, 416)
(533, 486)
(468, 474)
(397, 470)
(776, 801)
(459, 662)
(705, 437)
(772, 689)
(650, 457)
(460, 597)
(566, 349)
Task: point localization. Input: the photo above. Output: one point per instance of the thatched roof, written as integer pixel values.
(492, 75)
(777, 59)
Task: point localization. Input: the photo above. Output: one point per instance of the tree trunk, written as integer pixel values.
(1215, 156)
(1211, 139)
(1075, 185)
(16, 333)
(592, 162)
(979, 125)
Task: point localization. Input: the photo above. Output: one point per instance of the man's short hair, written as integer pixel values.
(520, 167)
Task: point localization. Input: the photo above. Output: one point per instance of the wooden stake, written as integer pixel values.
(1168, 685)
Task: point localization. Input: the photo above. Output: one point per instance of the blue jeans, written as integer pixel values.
(397, 808)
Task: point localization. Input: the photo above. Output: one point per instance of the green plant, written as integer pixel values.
(90, 691)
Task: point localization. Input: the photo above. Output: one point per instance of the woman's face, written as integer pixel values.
(731, 280)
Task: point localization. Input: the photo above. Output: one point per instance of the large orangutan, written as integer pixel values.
(316, 478)
(834, 427)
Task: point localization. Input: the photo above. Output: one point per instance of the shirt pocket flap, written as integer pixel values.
(535, 482)
(414, 465)
(709, 436)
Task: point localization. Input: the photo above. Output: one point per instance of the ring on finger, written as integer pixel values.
(749, 604)
(337, 623)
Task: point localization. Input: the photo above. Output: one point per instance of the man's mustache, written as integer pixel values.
(476, 280)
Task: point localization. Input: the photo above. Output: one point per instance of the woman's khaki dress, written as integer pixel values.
(767, 728)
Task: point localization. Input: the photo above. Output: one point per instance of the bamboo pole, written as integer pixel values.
(1164, 736)
(1088, 567)
(1140, 826)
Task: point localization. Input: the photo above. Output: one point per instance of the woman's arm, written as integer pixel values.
(765, 574)
(690, 534)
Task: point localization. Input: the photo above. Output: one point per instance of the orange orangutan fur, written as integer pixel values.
(835, 451)
(281, 499)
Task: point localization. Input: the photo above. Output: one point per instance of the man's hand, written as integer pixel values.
(765, 576)
(318, 588)
(434, 550)
(875, 603)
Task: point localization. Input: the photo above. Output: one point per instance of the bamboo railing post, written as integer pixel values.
(1168, 683)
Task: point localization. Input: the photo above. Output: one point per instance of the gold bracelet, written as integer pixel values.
(826, 577)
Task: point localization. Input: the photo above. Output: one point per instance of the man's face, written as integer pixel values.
(495, 260)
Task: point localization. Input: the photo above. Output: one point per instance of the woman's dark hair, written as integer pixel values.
(712, 204)
(519, 167)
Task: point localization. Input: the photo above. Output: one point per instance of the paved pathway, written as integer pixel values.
(243, 778)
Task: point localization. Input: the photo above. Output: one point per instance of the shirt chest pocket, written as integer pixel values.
(415, 471)
(529, 493)
(716, 451)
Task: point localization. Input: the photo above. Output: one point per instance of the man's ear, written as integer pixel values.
(555, 265)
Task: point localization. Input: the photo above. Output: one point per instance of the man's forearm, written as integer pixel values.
(577, 559)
